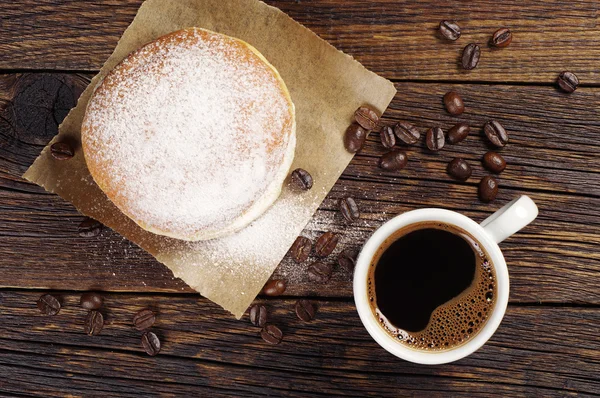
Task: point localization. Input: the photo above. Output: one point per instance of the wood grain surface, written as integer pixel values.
(548, 344)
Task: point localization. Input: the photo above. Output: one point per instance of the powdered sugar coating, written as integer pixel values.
(191, 136)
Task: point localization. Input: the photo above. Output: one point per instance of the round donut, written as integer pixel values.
(192, 135)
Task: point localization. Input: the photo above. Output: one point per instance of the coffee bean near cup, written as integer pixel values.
(431, 285)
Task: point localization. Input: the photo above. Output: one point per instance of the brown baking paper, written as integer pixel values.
(326, 87)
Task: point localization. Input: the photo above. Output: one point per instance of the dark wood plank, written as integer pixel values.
(395, 38)
(206, 351)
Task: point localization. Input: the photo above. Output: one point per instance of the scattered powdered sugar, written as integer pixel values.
(191, 130)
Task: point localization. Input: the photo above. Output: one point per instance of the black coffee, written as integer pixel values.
(432, 286)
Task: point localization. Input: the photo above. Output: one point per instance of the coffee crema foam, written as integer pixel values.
(454, 322)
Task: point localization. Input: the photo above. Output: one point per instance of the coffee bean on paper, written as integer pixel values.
(393, 161)
(354, 138)
(151, 343)
(94, 322)
(274, 287)
(568, 81)
(407, 133)
(61, 151)
(319, 272)
(435, 139)
(502, 37)
(387, 137)
(470, 56)
(458, 133)
(449, 30)
(326, 243)
(367, 118)
(459, 169)
(144, 319)
(488, 189)
(347, 259)
(91, 301)
(349, 209)
(494, 162)
(48, 304)
(258, 315)
(271, 334)
(305, 310)
(302, 179)
(301, 248)
(454, 103)
(496, 133)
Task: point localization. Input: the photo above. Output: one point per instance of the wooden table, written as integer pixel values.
(548, 343)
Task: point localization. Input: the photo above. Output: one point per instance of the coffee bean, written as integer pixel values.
(435, 139)
(488, 189)
(367, 118)
(144, 319)
(459, 169)
(302, 179)
(258, 315)
(274, 287)
(301, 248)
(94, 322)
(387, 137)
(496, 133)
(449, 30)
(458, 132)
(453, 103)
(494, 162)
(347, 259)
(406, 132)
(61, 151)
(271, 334)
(48, 304)
(355, 137)
(568, 81)
(319, 272)
(393, 161)
(305, 310)
(470, 56)
(349, 209)
(89, 228)
(326, 244)
(502, 37)
(91, 301)
(151, 343)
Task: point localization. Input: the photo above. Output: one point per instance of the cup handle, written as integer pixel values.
(510, 219)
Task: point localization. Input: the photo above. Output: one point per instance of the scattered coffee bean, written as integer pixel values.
(326, 243)
(355, 137)
(301, 248)
(258, 315)
(435, 139)
(271, 334)
(496, 133)
(89, 228)
(449, 30)
(453, 103)
(305, 310)
(458, 132)
(470, 56)
(94, 322)
(274, 287)
(151, 343)
(407, 133)
(568, 81)
(319, 272)
(459, 169)
(91, 301)
(349, 209)
(366, 117)
(48, 304)
(393, 161)
(347, 259)
(502, 37)
(488, 189)
(61, 151)
(302, 179)
(494, 162)
(387, 137)
(144, 319)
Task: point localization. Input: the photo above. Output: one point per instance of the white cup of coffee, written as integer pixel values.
(386, 294)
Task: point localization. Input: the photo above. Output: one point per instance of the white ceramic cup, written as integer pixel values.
(499, 226)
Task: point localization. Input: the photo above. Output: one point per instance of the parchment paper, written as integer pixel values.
(326, 87)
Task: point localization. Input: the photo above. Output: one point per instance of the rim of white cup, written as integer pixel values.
(363, 306)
